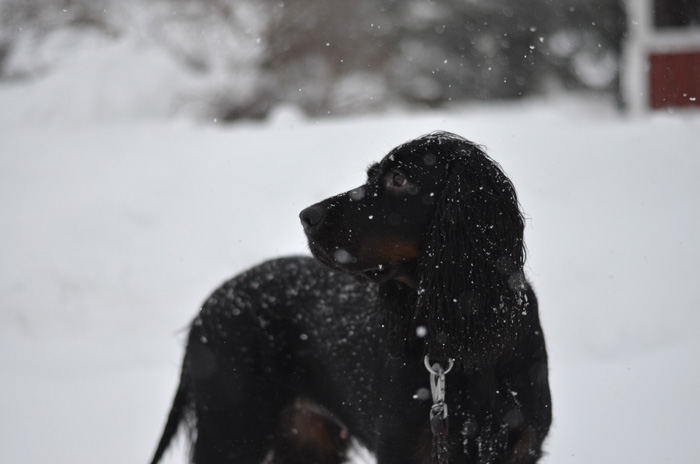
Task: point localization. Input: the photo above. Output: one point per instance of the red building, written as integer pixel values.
(662, 54)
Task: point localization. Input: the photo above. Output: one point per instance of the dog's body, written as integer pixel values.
(289, 359)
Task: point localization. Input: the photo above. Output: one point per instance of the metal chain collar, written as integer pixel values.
(438, 412)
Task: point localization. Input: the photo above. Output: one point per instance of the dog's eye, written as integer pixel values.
(399, 183)
(398, 180)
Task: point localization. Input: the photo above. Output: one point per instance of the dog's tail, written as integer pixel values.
(173, 424)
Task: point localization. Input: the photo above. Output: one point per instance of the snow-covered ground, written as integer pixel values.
(117, 221)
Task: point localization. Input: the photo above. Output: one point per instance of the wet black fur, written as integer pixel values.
(426, 258)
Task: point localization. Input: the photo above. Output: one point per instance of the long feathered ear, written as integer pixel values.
(471, 287)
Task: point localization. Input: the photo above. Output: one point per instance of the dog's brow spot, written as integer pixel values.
(429, 159)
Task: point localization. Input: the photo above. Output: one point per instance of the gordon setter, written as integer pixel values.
(414, 331)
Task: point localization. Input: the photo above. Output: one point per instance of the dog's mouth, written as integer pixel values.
(339, 259)
(378, 274)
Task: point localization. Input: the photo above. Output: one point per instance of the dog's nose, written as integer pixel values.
(311, 217)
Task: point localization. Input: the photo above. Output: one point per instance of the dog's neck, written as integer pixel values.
(407, 334)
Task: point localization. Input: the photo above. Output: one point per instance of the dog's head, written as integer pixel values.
(436, 215)
(376, 231)
(425, 197)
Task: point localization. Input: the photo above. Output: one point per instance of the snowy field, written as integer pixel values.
(117, 223)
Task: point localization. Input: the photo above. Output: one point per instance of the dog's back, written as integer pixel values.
(278, 333)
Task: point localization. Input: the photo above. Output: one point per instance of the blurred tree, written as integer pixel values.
(314, 46)
(335, 56)
(453, 51)
(583, 44)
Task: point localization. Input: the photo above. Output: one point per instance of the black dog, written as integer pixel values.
(421, 267)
